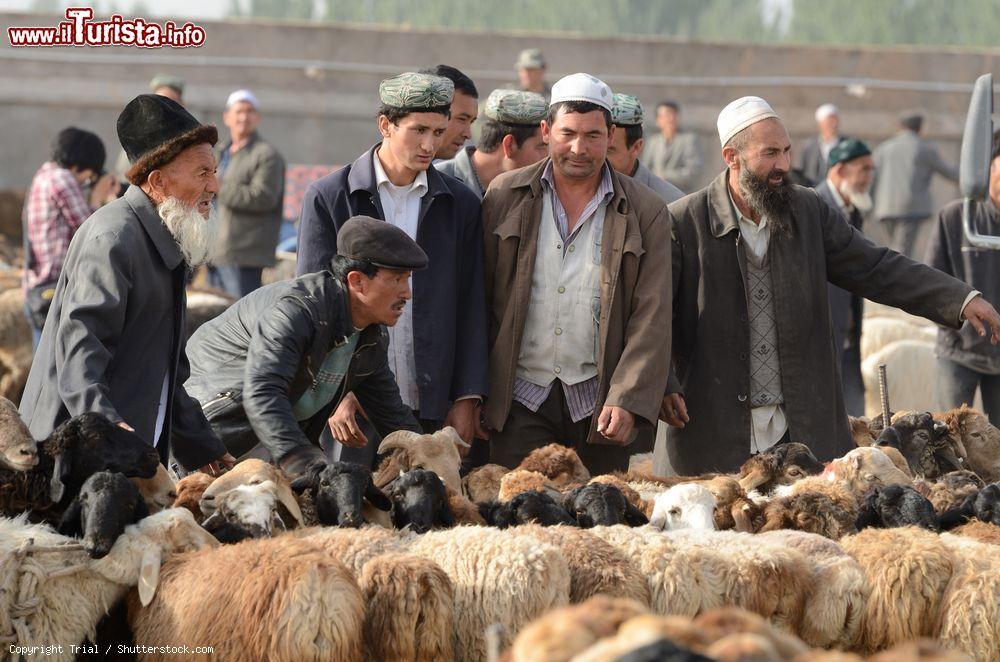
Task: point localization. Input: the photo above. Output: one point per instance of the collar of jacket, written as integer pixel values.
(721, 215)
(362, 177)
(531, 177)
(222, 147)
(151, 222)
(332, 310)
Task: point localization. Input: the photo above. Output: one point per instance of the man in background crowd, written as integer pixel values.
(509, 138)
(251, 191)
(967, 360)
(847, 187)
(626, 145)
(812, 159)
(905, 165)
(464, 110)
(63, 194)
(671, 154)
(530, 67)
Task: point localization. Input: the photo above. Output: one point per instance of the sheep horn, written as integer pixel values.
(400, 439)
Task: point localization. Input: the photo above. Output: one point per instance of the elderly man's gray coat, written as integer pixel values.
(711, 329)
(116, 328)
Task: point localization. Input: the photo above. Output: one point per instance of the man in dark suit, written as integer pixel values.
(846, 187)
(114, 338)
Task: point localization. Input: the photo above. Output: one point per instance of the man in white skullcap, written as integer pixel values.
(251, 195)
(753, 361)
(577, 259)
(811, 160)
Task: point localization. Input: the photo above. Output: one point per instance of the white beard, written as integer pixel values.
(862, 200)
(195, 235)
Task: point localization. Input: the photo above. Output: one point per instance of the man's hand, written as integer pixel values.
(464, 417)
(615, 424)
(673, 410)
(980, 313)
(125, 426)
(344, 425)
(220, 466)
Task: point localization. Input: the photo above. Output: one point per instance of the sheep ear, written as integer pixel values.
(60, 473)
(453, 435)
(377, 497)
(302, 483)
(69, 523)
(149, 575)
(287, 499)
(634, 516)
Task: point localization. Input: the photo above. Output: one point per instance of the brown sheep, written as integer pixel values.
(814, 505)
(950, 490)
(482, 484)
(864, 468)
(861, 432)
(733, 510)
(725, 621)
(981, 531)
(159, 492)
(18, 449)
(970, 613)
(464, 510)
(189, 491)
(408, 450)
(908, 571)
(409, 609)
(782, 464)
(252, 472)
(980, 440)
(558, 463)
(525, 480)
(920, 650)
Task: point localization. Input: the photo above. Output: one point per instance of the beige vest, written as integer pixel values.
(561, 330)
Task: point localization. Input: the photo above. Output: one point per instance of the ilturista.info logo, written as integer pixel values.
(80, 29)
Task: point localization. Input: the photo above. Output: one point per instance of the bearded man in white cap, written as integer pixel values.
(250, 200)
(811, 160)
(577, 257)
(753, 360)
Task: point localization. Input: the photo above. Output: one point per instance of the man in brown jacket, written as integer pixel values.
(752, 346)
(577, 267)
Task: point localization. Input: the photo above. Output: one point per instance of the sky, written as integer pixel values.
(210, 9)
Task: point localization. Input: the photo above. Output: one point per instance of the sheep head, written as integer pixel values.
(436, 452)
(105, 505)
(980, 441)
(252, 472)
(419, 501)
(521, 480)
(684, 506)
(18, 450)
(600, 504)
(895, 506)
(782, 464)
(924, 442)
(338, 490)
(158, 492)
(558, 463)
(246, 511)
(482, 484)
(526, 508)
(865, 467)
(189, 490)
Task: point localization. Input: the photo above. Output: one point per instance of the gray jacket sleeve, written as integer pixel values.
(93, 316)
(939, 165)
(264, 192)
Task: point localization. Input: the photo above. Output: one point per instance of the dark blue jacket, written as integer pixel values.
(449, 297)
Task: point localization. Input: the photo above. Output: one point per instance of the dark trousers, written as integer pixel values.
(854, 384)
(956, 385)
(234, 280)
(525, 430)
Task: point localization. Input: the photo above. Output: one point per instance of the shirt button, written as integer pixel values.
(558, 331)
(572, 248)
(561, 289)
(558, 245)
(558, 370)
(741, 397)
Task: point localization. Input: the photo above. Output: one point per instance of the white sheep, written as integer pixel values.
(684, 506)
(880, 331)
(911, 370)
(74, 592)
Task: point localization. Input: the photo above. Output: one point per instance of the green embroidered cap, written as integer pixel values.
(413, 90)
(516, 107)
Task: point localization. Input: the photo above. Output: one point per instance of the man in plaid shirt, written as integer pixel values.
(62, 196)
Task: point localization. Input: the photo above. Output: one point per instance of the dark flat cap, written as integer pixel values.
(381, 243)
(847, 149)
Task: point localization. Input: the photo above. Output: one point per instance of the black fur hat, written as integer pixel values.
(153, 130)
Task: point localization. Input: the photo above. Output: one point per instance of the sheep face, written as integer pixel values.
(864, 468)
(526, 508)
(158, 492)
(436, 452)
(246, 511)
(684, 506)
(600, 504)
(782, 464)
(106, 504)
(980, 440)
(419, 501)
(339, 489)
(895, 506)
(89, 443)
(924, 443)
(18, 450)
(252, 472)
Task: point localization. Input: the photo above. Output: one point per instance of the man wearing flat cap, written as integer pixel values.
(577, 262)
(812, 159)
(626, 146)
(510, 138)
(437, 351)
(530, 67)
(846, 188)
(114, 339)
(272, 368)
(753, 357)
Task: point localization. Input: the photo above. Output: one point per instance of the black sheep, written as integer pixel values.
(924, 443)
(105, 505)
(525, 508)
(894, 506)
(419, 501)
(337, 491)
(984, 505)
(601, 504)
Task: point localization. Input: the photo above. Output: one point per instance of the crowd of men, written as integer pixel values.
(558, 280)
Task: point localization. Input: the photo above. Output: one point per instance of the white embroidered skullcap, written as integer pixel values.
(740, 114)
(825, 111)
(582, 87)
(242, 95)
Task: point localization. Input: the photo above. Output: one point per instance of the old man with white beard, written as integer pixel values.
(753, 358)
(115, 335)
(847, 187)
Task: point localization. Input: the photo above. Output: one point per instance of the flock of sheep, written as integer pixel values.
(870, 555)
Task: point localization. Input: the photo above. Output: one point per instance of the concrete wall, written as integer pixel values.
(318, 84)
